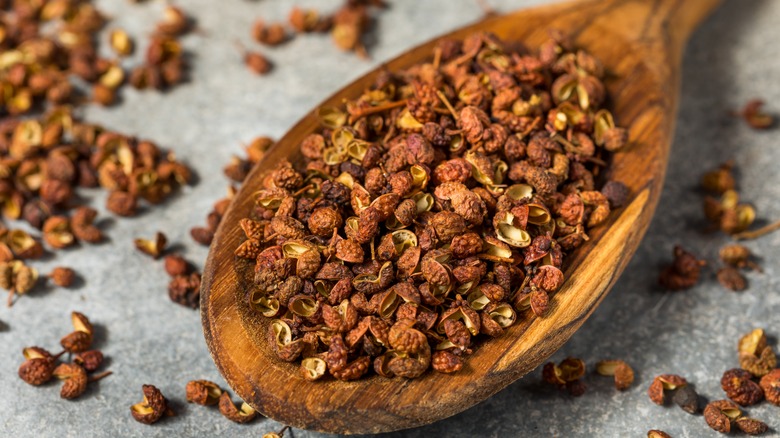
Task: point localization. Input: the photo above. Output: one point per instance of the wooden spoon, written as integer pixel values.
(641, 44)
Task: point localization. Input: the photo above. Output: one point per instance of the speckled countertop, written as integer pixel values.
(730, 59)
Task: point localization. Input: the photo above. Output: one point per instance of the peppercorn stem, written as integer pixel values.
(97, 377)
(755, 234)
(303, 190)
(367, 111)
(436, 57)
(447, 104)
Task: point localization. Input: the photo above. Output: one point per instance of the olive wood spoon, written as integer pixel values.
(640, 43)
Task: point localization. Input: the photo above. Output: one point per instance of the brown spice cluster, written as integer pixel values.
(40, 366)
(165, 60)
(722, 206)
(740, 385)
(207, 393)
(184, 287)
(347, 26)
(567, 374)
(683, 273)
(44, 161)
(45, 44)
(433, 209)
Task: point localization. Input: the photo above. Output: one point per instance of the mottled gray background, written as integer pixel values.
(731, 58)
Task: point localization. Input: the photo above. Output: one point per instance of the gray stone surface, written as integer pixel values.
(731, 59)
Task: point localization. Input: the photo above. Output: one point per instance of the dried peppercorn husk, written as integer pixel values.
(17, 278)
(751, 426)
(448, 195)
(730, 278)
(152, 247)
(738, 256)
(684, 271)
(203, 392)
(623, 373)
(229, 410)
(62, 276)
(38, 367)
(770, 384)
(755, 117)
(720, 415)
(153, 406)
(662, 383)
(739, 387)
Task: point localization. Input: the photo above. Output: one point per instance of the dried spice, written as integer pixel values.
(624, 374)
(738, 386)
(770, 384)
(229, 410)
(165, 59)
(152, 247)
(566, 374)
(62, 276)
(17, 278)
(720, 415)
(257, 63)
(448, 195)
(81, 338)
(91, 360)
(38, 367)
(755, 117)
(185, 290)
(152, 408)
(751, 426)
(176, 265)
(732, 279)
(121, 43)
(720, 180)
(662, 383)
(270, 34)
(654, 433)
(684, 271)
(738, 256)
(75, 379)
(727, 213)
(203, 392)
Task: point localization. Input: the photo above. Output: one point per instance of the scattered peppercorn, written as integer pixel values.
(152, 247)
(62, 276)
(684, 271)
(229, 410)
(153, 406)
(756, 118)
(623, 373)
(203, 392)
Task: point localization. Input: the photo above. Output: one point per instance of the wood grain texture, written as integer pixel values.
(640, 43)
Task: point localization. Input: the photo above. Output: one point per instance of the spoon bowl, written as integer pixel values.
(640, 43)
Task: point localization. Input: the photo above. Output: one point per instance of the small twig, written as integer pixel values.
(303, 190)
(447, 103)
(755, 234)
(11, 294)
(97, 377)
(367, 111)
(436, 58)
